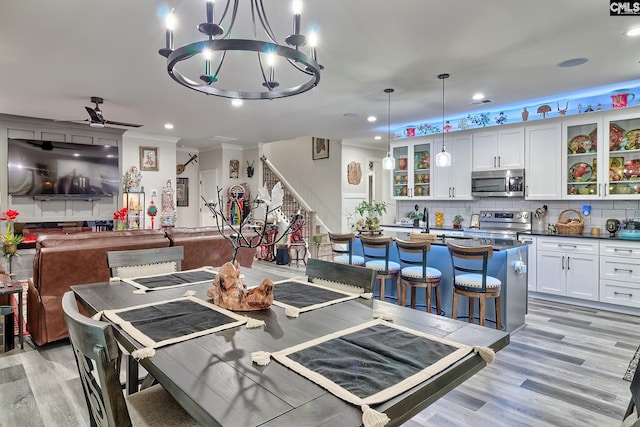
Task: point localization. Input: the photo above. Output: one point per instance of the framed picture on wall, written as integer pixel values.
(182, 192)
(149, 159)
(319, 148)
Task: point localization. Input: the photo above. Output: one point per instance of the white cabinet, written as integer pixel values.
(620, 273)
(532, 278)
(622, 156)
(499, 149)
(568, 267)
(543, 162)
(454, 182)
(582, 159)
(411, 177)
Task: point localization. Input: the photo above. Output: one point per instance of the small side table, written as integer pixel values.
(14, 287)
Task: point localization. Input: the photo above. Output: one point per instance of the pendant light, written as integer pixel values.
(389, 163)
(443, 159)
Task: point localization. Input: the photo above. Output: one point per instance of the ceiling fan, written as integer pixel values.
(96, 119)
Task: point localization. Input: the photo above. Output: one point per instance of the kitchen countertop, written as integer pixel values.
(603, 236)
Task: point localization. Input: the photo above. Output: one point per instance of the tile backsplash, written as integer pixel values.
(601, 210)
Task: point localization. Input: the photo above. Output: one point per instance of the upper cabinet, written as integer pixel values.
(411, 177)
(582, 157)
(543, 173)
(454, 182)
(622, 163)
(499, 149)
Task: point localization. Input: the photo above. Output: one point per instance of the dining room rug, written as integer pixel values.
(372, 362)
(297, 296)
(174, 279)
(158, 324)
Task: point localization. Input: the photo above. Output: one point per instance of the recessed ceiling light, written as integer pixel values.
(478, 96)
(372, 118)
(574, 62)
(377, 137)
(632, 32)
(236, 102)
(168, 126)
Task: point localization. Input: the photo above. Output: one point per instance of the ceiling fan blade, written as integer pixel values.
(132, 125)
(94, 116)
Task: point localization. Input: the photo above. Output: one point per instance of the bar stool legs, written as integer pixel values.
(482, 303)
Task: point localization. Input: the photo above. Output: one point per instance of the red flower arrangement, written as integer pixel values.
(10, 240)
(121, 216)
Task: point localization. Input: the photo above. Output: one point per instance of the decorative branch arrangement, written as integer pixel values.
(273, 212)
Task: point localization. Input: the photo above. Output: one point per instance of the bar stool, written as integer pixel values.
(376, 252)
(417, 274)
(342, 244)
(474, 282)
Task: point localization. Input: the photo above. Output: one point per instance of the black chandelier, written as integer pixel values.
(267, 51)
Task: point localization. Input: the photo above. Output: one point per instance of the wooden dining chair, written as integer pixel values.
(377, 253)
(342, 248)
(144, 262)
(417, 274)
(470, 279)
(98, 358)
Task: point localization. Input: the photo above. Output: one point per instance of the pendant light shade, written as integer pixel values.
(388, 163)
(443, 159)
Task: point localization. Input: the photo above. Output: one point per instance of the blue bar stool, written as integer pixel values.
(376, 252)
(470, 279)
(413, 255)
(342, 245)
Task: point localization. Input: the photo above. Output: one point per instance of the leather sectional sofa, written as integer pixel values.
(64, 260)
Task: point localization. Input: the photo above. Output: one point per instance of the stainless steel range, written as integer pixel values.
(504, 224)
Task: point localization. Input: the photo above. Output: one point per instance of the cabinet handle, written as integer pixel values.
(622, 269)
(494, 161)
(499, 161)
(622, 293)
(454, 192)
(449, 191)
(526, 190)
(568, 260)
(567, 246)
(563, 262)
(623, 250)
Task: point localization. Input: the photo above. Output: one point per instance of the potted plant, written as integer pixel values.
(457, 221)
(370, 214)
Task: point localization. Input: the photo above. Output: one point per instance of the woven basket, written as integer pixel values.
(574, 227)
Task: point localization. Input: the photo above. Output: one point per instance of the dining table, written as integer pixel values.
(215, 379)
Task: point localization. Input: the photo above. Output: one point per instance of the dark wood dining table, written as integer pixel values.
(215, 380)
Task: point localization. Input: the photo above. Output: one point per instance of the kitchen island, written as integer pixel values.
(506, 256)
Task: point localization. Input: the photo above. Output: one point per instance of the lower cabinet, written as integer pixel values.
(620, 273)
(568, 267)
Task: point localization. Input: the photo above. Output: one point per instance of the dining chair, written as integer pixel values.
(342, 248)
(470, 279)
(377, 253)
(417, 274)
(98, 359)
(144, 262)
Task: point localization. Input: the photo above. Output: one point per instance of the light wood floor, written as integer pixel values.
(564, 368)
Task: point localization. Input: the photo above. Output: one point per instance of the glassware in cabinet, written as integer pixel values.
(411, 177)
(582, 159)
(400, 174)
(623, 156)
(422, 170)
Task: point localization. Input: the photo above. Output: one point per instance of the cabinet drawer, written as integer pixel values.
(620, 249)
(619, 293)
(581, 246)
(619, 269)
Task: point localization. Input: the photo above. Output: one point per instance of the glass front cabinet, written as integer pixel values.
(602, 157)
(134, 202)
(411, 177)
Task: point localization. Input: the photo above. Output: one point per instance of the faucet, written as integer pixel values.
(425, 216)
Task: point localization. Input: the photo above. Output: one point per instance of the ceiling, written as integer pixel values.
(55, 55)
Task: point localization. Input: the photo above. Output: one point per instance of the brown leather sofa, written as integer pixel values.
(62, 261)
(200, 247)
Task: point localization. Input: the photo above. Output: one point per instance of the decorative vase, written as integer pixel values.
(10, 249)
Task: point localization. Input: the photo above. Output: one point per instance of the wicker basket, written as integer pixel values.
(574, 227)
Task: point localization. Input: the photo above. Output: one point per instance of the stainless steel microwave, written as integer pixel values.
(498, 183)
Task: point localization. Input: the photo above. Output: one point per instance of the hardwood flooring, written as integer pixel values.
(564, 368)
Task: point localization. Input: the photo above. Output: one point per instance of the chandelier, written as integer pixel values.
(269, 54)
(389, 162)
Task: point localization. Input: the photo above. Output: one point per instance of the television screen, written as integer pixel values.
(46, 167)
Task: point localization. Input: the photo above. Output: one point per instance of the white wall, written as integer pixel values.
(318, 182)
(151, 180)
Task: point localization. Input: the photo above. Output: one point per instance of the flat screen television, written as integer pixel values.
(49, 168)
